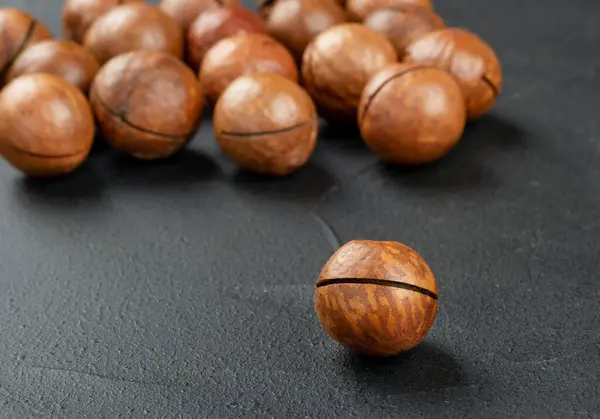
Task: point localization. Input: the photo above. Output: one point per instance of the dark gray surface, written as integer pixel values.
(184, 289)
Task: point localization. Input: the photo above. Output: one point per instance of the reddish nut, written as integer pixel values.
(66, 59)
(78, 16)
(359, 9)
(148, 103)
(184, 12)
(472, 61)
(46, 125)
(244, 54)
(132, 27)
(266, 123)
(411, 114)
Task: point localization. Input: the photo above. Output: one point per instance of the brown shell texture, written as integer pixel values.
(337, 65)
(358, 10)
(132, 27)
(78, 16)
(295, 23)
(266, 123)
(148, 103)
(471, 60)
(411, 114)
(46, 125)
(402, 26)
(216, 24)
(66, 59)
(244, 54)
(18, 31)
(378, 298)
(184, 12)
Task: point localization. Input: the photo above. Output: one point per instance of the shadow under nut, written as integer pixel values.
(275, 152)
(375, 320)
(131, 139)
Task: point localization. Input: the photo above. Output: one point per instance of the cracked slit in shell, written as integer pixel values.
(380, 282)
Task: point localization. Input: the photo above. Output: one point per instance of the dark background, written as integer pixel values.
(184, 288)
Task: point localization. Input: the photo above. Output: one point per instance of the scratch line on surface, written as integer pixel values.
(328, 231)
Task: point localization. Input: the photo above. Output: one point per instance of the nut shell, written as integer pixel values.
(358, 10)
(378, 298)
(266, 123)
(148, 103)
(216, 24)
(78, 16)
(337, 65)
(411, 114)
(18, 31)
(184, 12)
(402, 26)
(472, 61)
(244, 54)
(66, 59)
(295, 23)
(46, 125)
(132, 27)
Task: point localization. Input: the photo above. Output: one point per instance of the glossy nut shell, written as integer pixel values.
(78, 16)
(244, 54)
(410, 114)
(184, 12)
(472, 61)
(295, 23)
(46, 125)
(18, 31)
(337, 65)
(216, 24)
(377, 298)
(132, 27)
(266, 123)
(148, 104)
(402, 26)
(359, 9)
(66, 59)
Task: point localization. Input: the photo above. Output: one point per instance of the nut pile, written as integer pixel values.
(145, 74)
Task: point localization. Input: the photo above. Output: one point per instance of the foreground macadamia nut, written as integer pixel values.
(184, 12)
(46, 125)
(78, 16)
(18, 31)
(65, 59)
(404, 25)
(216, 24)
(359, 9)
(132, 27)
(295, 23)
(243, 54)
(266, 123)
(337, 65)
(411, 114)
(472, 61)
(377, 298)
(148, 103)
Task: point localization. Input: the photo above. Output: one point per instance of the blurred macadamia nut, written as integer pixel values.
(337, 65)
(148, 103)
(216, 24)
(46, 125)
(470, 59)
(132, 27)
(411, 114)
(404, 25)
(78, 16)
(65, 59)
(18, 31)
(184, 12)
(266, 123)
(295, 23)
(359, 9)
(244, 54)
